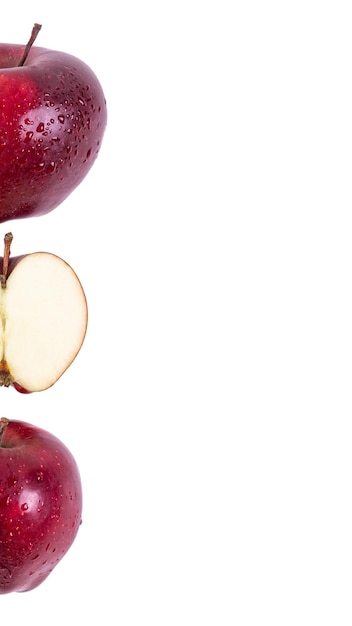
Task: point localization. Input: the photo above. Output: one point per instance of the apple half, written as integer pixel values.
(43, 319)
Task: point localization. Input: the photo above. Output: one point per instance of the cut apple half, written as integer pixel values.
(43, 319)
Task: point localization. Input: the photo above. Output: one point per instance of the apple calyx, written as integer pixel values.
(35, 30)
(5, 377)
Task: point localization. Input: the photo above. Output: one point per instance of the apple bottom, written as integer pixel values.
(40, 504)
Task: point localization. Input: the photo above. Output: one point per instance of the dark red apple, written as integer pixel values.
(40, 504)
(52, 120)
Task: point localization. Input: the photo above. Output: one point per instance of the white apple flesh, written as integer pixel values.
(43, 319)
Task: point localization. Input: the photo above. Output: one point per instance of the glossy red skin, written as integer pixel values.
(52, 120)
(19, 388)
(40, 505)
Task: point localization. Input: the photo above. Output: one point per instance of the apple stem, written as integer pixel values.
(35, 30)
(3, 423)
(5, 267)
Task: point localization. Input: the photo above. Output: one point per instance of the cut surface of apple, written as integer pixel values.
(43, 321)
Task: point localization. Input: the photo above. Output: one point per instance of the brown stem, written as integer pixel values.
(3, 423)
(35, 30)
(5, 266)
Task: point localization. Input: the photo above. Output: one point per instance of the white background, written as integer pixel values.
(210, 409)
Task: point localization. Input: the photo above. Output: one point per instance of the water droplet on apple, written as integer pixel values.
(24, 506)
(61, 119)
(82, 102)
(40, 127)
(28, 136)
(51, 167)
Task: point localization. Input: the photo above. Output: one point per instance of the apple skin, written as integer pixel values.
(52, 120)
(40, 505)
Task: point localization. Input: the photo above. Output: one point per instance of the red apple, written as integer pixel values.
(52, 120)
(40, 504)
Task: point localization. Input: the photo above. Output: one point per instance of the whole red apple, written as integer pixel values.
(40, 504)
(52, 120)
